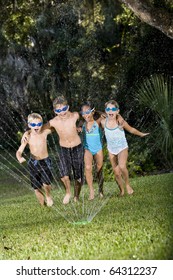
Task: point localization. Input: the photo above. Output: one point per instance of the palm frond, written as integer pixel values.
(156, 93)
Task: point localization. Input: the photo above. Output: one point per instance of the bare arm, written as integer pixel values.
(133, 130)
(20, 151)
(103, 123)
(25, 136)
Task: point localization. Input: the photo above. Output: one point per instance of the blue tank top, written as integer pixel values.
(92, 138)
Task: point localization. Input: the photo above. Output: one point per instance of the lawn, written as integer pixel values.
(137, 227)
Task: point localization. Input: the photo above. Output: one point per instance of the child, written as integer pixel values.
(93, 147)
(39, 162)
(117, 145)
(71, 150)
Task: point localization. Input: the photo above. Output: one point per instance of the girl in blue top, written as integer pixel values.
(117, 146)
(93, 147)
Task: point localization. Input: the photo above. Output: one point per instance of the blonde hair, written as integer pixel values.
(113, 102)
(60, 100)
(34, 116)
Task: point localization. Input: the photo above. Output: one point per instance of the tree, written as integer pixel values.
(159, 17)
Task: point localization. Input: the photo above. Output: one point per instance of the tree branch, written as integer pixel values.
(159, 18)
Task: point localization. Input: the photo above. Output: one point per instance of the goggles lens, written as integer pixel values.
(114, 109)
(35, 124)
(61, 110)
(87, 112)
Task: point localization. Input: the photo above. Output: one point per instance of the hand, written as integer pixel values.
(103, 115)
(22, 159)
(79, 129)
(144, 134)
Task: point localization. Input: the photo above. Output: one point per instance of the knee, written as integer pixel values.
(99, 167)
(88, 168)
(117, 173)
(123, 167)
(65, 179)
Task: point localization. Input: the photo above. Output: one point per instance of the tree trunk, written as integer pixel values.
(159, 18)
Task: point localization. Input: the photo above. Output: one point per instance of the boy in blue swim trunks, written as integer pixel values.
(117, 144)
(39, 163)
(92, 135)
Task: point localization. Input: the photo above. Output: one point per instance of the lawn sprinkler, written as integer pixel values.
(81, 222)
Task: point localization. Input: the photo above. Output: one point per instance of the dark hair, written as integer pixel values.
(88, 104)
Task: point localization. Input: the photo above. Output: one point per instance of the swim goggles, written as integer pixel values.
(61, 110)
(87, 112)
(114, 109)
(35, 124)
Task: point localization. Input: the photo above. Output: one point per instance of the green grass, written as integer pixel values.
(134, 227)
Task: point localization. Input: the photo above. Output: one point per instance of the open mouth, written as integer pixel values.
(36, 130)
(111, 115)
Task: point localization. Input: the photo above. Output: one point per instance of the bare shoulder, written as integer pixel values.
(75, 115)
(103, 122)
(121, 120)
(53, 121)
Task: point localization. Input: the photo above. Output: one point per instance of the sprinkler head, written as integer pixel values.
(82, 222)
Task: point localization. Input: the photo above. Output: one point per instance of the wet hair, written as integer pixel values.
(96, 114)
(88, 104)
(34, 116)
(113, 102)
(60, 100)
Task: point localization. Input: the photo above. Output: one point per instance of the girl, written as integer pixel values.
(117, 144)
(92, 147)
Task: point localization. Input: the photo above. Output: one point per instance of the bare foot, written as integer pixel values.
(76, 199)
(101, 195)
(49, 201)
(66, 198)
(91, 196)
(129, 190)
(121, 194)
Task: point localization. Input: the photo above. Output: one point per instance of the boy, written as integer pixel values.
(39, 162)
(71, 155)
(71, 151)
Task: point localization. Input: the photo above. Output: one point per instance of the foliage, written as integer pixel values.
(156, 93)
(131, 228)
(93, 50)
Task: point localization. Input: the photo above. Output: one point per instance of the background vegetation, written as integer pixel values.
(90, 49)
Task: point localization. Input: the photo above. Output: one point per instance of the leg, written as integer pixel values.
(122, 161)
(88, 159)
(39, 196)
(77, 189)
(117, 172)
(66, 182)
(99, 165)
(77, 159)
(47, 189)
